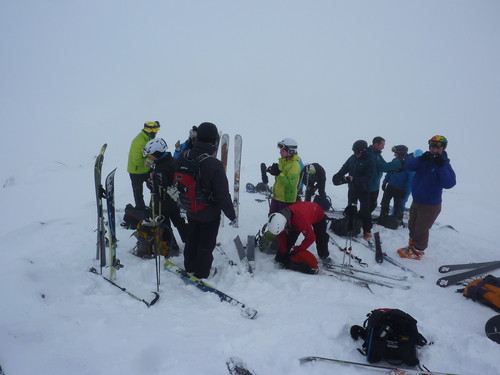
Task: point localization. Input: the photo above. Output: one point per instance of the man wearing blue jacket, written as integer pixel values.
(433, 173)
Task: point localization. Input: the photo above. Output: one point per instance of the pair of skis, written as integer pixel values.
(247, 256)
(388, 369)
(246, 311)
(238, 144)
(107, 193)
(474, 269)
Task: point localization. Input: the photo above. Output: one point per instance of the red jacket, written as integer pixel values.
(304, 215)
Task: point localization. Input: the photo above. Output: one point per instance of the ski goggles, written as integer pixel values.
(281, 146)
(438, 144)
(152, 126)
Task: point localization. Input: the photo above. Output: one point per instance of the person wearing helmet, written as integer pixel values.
(138, 164)
(307, 218)
(433, 173)
(313, 176)
(381, 166)
(160, 182)
(396, 185)
(188, 144)
(203, 225)
(357, 172)
(286, 173)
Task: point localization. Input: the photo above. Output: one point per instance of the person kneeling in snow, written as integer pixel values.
(307, 218)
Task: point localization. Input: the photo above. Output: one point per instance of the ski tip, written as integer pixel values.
(155, 299)
(249, 313)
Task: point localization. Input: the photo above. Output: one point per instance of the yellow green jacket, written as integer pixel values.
(135, 157)
(287, 182)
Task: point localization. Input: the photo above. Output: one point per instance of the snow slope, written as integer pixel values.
(325, 73)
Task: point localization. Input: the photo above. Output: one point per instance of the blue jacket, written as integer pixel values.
(361, 169)
(400, 179)
(430, 179)
(381, 166)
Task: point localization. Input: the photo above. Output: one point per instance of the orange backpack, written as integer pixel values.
(485, 290)
(303, 261)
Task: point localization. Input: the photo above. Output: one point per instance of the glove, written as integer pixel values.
(273, 169)
(384, 186)
(425, 156)
(338, 179)
(438, 159)
(148, 162)
(173, 193)
(178, 146)
(233, 222)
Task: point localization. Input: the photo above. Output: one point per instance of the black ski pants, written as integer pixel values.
(364, 213)
(138, 181)
(199, 247)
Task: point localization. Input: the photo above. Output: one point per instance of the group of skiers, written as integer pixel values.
(424, 174)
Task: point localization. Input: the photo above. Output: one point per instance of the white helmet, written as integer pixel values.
(289, 145)
(276, 223)
(155, 145)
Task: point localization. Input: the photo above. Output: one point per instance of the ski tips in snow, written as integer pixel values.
(492, 329)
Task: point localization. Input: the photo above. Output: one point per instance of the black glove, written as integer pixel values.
(338, 179)
(425, 156)
(438, 159)
(273, 169)
(384, 186)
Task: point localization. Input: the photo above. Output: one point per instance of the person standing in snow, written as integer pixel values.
(203, 225)
(287, 173)
(381, 166)
(138, 165)
(433, 173)
(359, 169)
(161, 180)
(188, 144)
(396, 185)
(313, 176)
(307, 218)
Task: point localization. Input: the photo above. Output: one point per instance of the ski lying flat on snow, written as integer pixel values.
(348, 252)
(393, 370)
(465, 266)
(237, 367)
(348, 274)
(456, 278)
(391, 260)
(335, 267)
(247, 312)
(242, 255)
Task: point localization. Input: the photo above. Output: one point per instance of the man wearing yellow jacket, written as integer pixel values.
(138, 168)
(287, 174)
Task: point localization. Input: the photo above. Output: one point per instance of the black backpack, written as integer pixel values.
(340, 226)
(133, 216)
(391, 335)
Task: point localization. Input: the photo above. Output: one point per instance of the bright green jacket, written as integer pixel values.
(135, 158)
(287, 182)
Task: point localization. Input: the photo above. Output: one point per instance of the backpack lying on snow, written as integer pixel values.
(485, 290)
(341, 226)
(303, 261)
(150, 240)
(134, 216)
(391, 335)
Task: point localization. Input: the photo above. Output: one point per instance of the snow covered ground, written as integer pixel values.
(325, 73)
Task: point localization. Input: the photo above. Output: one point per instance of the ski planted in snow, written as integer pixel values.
(242, 254)
(114, 263)
(238, 143)
(224, 150)
(458, 277)
(148, 304)
(492, 329)
(246, 312)
(379, 255)
(391, 370)
(99, 193)
(236, 366)
(465, 266)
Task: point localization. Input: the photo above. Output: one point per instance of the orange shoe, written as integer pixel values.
(409, 252)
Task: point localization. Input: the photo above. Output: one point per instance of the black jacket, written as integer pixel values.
(213, 180)
(361, 169)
